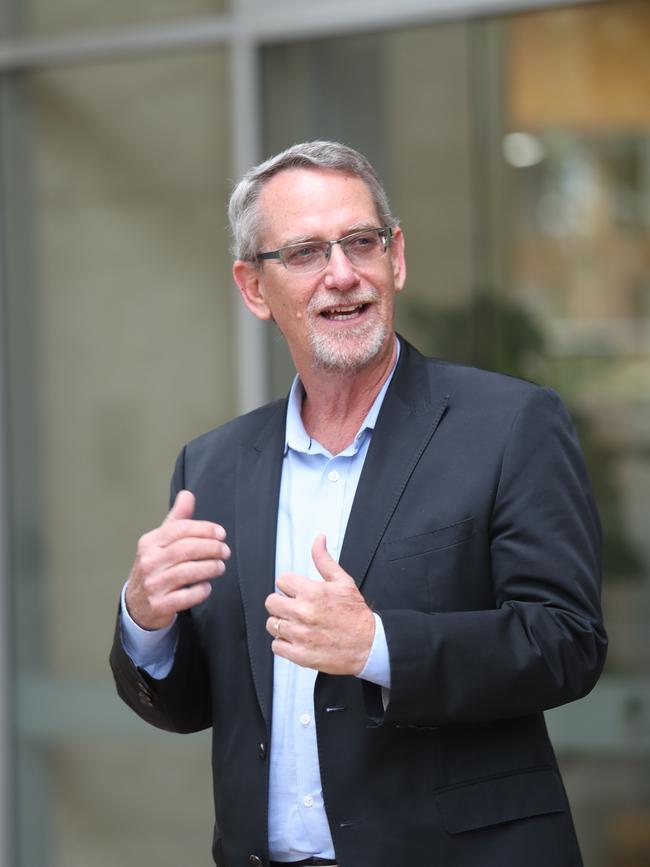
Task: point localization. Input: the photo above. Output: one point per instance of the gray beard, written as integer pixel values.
(345, 353)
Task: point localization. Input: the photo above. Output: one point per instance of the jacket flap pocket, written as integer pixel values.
(501, 799)
(443, 537)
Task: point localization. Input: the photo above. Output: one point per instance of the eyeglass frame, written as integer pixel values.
(385, 234)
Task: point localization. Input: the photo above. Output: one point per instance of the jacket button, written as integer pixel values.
(261, 749)
(255, 860)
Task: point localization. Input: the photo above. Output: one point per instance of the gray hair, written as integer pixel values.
(244, 213)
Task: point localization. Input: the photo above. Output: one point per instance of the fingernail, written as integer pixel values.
(225, 552)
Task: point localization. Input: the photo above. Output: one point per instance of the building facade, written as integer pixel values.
(514, 141)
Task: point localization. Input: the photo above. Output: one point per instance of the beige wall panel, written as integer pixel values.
(135, 327)
(147, 802)
(427, 120)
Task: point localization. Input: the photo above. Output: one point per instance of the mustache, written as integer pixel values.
(326, 300)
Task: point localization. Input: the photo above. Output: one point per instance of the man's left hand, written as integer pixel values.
(325, 625)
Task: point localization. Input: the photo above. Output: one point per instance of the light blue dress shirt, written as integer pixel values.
(316, 494)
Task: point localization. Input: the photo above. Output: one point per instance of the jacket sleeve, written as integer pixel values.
(543, 644)
(179, 702)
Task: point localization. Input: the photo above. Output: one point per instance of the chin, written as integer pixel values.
(348, 350)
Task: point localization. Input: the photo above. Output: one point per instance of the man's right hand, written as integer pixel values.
(174, 565)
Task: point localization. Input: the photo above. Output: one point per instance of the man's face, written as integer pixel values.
(340, 317)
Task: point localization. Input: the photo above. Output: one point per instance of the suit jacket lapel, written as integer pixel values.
(258, 488)
(408, 419)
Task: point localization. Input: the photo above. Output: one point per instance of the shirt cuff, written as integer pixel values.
(377, 667)
(153, 650)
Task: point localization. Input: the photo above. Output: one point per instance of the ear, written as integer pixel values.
(247, 278)
(397, 258)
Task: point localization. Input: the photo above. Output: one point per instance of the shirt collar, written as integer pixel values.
(297, 438)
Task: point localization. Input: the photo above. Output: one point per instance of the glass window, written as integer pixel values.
(516, 152)
(120, 345)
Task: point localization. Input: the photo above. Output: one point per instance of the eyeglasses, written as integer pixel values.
(307, 257)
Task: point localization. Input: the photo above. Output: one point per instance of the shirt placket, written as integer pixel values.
(328, 511)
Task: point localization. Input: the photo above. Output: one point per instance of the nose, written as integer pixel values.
(340, 273)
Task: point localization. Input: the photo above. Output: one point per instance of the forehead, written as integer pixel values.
(305, 203)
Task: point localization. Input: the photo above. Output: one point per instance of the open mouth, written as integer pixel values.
(344, 312)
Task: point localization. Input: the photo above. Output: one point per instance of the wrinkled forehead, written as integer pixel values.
(310, 202)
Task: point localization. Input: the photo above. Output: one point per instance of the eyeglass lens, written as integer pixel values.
(359, 247)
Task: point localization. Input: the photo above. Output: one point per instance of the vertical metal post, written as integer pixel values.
(252, 341)
(5, 769)
(22, 612)
(6, 835)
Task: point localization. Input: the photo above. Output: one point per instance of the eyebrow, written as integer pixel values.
(360, 226)
(300, 239)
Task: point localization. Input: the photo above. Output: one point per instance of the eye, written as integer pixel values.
(363, 241)
(302, 253)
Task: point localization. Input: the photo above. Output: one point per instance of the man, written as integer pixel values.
(370, 591)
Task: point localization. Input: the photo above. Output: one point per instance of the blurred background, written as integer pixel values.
(514, 142)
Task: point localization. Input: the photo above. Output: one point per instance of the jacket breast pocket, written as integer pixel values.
(479, 804)
(434, 540)
(422, 572)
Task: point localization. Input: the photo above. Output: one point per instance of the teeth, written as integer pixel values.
(336, 311)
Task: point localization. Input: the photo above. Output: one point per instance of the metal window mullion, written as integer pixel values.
(295, 20)
(253, 21)
(85, 47)
(252, 342)
(6, 769)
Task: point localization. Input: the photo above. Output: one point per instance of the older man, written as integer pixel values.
(369, 591)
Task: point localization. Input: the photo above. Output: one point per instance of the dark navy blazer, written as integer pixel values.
(475, 536)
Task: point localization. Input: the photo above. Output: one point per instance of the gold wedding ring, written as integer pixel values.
(277, 628)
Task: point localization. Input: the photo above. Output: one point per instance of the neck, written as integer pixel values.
(337, 401)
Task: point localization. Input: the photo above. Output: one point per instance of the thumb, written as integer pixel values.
(183, 507)
(325, 563)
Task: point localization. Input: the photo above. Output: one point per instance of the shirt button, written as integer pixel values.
(333, 476)
(305, 719)
(308, 801)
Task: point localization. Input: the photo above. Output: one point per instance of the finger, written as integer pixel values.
(289, 651)
(281, 606)
(293, 585)
(171, 580)
(183, 506)
(278, 628)
(199, 571)
(154, 603)
(187, 597)
(284, 649)
(171, 532)
(325, 563)
(194, 549)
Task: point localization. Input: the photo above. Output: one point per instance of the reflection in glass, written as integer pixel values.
(120, 351)
(520, 169)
